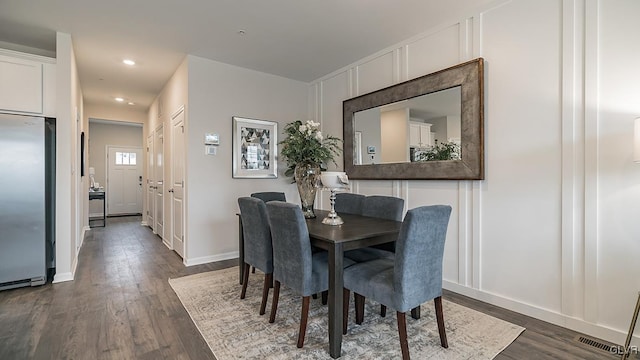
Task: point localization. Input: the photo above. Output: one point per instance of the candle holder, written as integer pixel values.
(333, 181)
(333, 218)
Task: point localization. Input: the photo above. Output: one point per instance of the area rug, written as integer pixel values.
(233, 329)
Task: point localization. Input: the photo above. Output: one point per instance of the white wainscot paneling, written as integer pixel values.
(521, 199)
(333, 92)
(618, 243)
(421, 193)
(375, 74)
(433, 52)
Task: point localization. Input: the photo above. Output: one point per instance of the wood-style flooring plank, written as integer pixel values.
(120, 306)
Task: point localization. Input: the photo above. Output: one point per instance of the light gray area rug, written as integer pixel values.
(233, 329)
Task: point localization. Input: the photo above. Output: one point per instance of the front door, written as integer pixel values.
(124, 180)
(177, 182)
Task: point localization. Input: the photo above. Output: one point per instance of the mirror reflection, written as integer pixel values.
(422, 128)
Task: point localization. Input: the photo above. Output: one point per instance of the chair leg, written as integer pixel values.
(383, 310)
(325, 297)
(253, 269)
(303, 320)
(345, 310)
(245, 281)
(402, 331)
(359, 300)
(415, 312)
(274, 302)
(440, 319)
(265, 292)
(315, 296)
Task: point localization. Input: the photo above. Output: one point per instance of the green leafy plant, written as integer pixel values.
(442, 151)
(306, 144)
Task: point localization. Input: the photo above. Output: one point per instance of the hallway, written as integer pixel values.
(120, 305)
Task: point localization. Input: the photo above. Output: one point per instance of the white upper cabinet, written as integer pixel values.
(419, 134)
(23, 82)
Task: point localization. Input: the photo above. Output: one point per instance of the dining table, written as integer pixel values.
(356, 232)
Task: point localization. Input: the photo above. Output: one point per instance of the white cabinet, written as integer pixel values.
(419, 134)
(27, 83)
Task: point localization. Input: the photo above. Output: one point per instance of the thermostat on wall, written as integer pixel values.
(211, 139)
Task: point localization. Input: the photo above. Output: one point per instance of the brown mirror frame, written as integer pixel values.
(468, 75)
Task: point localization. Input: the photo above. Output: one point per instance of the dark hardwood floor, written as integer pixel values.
(121, 306)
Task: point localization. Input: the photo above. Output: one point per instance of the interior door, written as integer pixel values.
(124, 181)
(150, 184)
(159, 185)
(177, 182)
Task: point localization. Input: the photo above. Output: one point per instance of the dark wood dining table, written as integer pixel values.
(356, 232)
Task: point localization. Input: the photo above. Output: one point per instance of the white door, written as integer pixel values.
(177, 182)
(150, 184)
(159, 178)
(124, 180)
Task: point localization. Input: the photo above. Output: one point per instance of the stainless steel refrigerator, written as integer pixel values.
(27, 200)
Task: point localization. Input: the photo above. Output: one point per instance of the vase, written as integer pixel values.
(306, 176)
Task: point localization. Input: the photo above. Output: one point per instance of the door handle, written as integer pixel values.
(170, 190)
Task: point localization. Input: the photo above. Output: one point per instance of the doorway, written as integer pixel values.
(124, 180)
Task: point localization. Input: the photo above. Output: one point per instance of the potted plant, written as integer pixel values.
(307, 152)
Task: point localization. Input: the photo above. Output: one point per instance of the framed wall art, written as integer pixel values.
(254, 148)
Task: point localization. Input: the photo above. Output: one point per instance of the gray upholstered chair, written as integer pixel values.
(295, 266)
(412, 278)
(381, 207)
(258, 251)
(269, 196)
(349, 203)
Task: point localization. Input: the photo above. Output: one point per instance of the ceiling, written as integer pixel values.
(300, 40)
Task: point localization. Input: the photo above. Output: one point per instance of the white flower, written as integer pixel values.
(319, 136)
(302, 128)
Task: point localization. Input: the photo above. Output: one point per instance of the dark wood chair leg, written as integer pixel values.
(245, 281)
(265, 292)
(303, 320)
(274, 302)
(315, 296)
(440, 319)
(325, 297)
(415, 312)
(359, 300)
(253, 269)
(402, 331)
(345, 310)
(383, 310)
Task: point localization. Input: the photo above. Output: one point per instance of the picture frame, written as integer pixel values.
(255, 148)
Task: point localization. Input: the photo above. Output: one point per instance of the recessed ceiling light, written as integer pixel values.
(119, 99)
(131, 103)
(129, 62)
(242, 32)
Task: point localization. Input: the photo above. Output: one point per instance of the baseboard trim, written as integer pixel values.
(143, 223)
(597, 330)
(63, 277)
(212, 258)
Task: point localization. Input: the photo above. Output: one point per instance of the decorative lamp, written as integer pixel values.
(334, 181)
(92, 173)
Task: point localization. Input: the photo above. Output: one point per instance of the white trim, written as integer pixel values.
(144, 223)
(211, 258)
(26, 56)
(591, 329)
(63, 277)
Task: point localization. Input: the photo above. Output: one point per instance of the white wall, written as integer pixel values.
(69, 205)
(217, 92)
(212, 93)
(551, 232)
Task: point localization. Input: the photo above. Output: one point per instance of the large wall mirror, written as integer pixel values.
(431, 127)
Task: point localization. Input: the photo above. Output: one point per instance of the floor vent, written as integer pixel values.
(594, 343)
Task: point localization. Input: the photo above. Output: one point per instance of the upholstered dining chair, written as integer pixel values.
(258, 250)
(381, 207)
(412, 278)
(349, 203)
(295, 266)
(269, 196)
